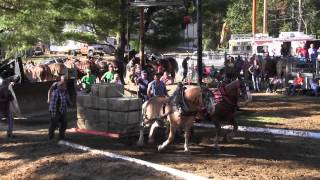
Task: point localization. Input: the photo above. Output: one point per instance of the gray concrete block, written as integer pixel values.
(84, 100)
(102, 103)
(110, 90)
(124, 104)
(97, 126)
(103, 116)
(95, 90)
(125, 118)
(88, 114)
(94, 102)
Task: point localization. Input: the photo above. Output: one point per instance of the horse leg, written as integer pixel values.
(153, 127)
(218, 134)
(229, 136)
(141, 136)
(172, 133)
(187, 134)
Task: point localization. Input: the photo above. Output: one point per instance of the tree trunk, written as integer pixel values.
(122, 29)
(122, 43)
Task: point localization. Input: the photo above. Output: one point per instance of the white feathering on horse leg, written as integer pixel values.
(153, 127)
(186, 141)
(141, 137)
(163, 145)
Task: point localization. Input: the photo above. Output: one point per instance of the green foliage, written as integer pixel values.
(24, 23)
(239, 16)
(282, 16)
(214, 12)
(165, 29)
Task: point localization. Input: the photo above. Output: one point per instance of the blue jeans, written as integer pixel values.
(9, 118)
(316, 90)
(293, 87)
(256, 82)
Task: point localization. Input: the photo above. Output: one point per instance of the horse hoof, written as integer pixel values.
(159, 148)
(187, 151)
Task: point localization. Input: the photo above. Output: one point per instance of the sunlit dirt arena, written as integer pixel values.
(249, 156)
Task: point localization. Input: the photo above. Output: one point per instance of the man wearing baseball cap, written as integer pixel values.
(143, 82)
(157, 87)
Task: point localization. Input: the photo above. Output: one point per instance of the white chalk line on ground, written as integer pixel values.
(306, 134)
(158, 167)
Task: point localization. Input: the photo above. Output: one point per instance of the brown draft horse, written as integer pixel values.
(197, 99)
(153, 115)
(225, 109)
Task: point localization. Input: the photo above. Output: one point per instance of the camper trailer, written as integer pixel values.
(285, 45)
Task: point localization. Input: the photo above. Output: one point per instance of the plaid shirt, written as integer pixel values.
(58, 96)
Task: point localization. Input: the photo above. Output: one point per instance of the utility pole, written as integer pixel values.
(142, 37)
(254, 17)
(265, 17)
(199, 21)
(300, 16)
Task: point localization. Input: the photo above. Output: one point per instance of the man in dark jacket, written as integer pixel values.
(5, 98)
(58, 99)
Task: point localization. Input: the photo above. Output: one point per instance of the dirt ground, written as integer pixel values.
(249, 156)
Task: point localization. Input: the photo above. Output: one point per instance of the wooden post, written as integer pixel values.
(199, 21)
(265, 17)
(142, 37)
(254, 16)
(300, 16)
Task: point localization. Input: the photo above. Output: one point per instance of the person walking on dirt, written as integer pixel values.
(57, 100)
(5, 98)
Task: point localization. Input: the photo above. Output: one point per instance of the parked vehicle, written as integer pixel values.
(96, 49)
(53, 60)
(68, 47)
(38, 51)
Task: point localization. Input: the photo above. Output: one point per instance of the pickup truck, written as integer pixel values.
(96, 49)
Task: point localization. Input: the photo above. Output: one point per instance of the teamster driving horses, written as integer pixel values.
(157, 87)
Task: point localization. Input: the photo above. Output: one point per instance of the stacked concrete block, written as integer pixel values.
(106, 109)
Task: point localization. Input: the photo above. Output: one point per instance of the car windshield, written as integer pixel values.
(38, 49)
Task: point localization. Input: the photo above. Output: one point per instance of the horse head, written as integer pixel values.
(236, 88)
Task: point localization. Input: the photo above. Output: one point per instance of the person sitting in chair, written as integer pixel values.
(298, 82)
(315, 87)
